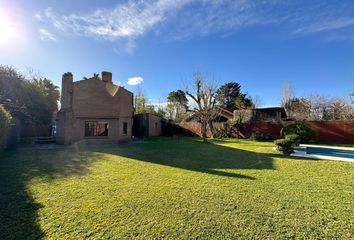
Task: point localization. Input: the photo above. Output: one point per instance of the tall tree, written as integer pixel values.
(34, 100)
(230, 96)
(227, 94)
(287, 92)
(41, 97)
(203, 96)
(178, 104)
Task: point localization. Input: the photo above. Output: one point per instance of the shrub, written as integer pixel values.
(299, 128)
(285, 145)
(294, 138)
(261, 137)
(5, 119)
(224, 131)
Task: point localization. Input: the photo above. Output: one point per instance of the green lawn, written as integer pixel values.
(173, 189)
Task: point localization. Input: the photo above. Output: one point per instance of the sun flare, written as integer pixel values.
(7, 30)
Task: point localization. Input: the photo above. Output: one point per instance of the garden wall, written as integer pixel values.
(325, 131)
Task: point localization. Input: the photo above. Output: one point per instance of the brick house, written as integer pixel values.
(147, 125)
(94, 110)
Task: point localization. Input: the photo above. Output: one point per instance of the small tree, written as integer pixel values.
(5, 119)
(301, 129)
(203, 97)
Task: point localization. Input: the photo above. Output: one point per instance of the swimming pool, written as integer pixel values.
(325, 152)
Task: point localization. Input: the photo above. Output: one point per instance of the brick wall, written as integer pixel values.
(325, 131)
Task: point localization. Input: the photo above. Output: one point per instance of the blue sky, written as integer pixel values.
(257, 43)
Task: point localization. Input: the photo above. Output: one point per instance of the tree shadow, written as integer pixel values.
(19, 210)
(193, 155)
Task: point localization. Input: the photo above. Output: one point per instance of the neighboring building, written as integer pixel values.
(94, 110)
(273, 114)
(147, 125)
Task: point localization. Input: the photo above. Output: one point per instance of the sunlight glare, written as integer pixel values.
(7, 31)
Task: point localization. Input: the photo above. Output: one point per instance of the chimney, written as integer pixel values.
(66, 90)
(107, 77)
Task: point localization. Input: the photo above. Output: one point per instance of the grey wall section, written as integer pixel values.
(94, 100)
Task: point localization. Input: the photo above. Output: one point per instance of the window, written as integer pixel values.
(125, 128)
(96, 129)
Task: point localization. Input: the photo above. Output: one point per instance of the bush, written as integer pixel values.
(5, 120)
(294, 138)
(299, 128)
(224, 131)
(285, 145)
(261, 137)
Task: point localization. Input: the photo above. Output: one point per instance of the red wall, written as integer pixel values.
(333, 131)
(325, 131)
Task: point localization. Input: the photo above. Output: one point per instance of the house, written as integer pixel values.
(147, 125)
(273, 114)
(94, 110)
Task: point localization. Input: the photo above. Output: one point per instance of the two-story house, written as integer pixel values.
(94, 110)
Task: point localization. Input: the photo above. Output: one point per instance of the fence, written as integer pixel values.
(325, 131)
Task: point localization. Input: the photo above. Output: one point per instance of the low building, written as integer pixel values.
(147, 125)
(273, 114)
(94, 110)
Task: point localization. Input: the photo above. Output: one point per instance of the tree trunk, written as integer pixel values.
(203, 129)
(212, 129)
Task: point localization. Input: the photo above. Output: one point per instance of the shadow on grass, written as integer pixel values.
(195, 156)
(18, 209)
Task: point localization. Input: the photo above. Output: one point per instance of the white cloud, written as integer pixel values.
(178, 19)
(136, 18)
(44, 35)
(123, 21)
(38, 17)
(135, 80)
(324, 25)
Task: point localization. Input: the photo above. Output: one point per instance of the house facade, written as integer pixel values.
(94, 110)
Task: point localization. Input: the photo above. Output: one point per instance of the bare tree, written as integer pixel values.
(339, 109)
(318, 106)
(298, 108)
(257, 101)
(287, 92)
(203, 108)
(140, 101)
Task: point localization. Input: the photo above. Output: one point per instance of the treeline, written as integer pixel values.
(314, 107)
(25, 100)
(179, 106)
(202, 101)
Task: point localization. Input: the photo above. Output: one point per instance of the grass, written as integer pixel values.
(173, 189)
